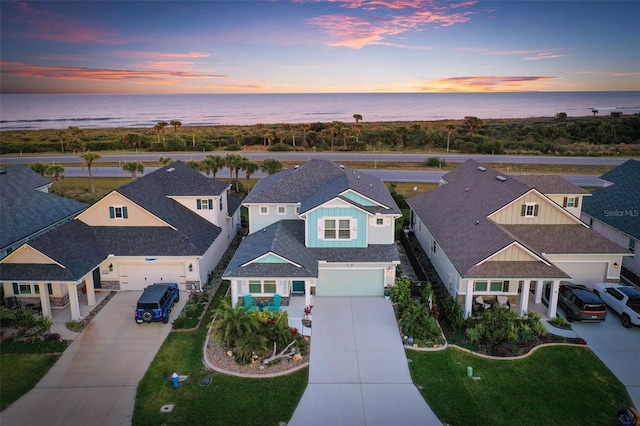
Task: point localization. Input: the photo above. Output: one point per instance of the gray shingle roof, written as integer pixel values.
(550, 184)
(317, 181)
(514, 270)
(563, 239)
(456, 213)
(285, 238)
(25, 211)
(618, 205)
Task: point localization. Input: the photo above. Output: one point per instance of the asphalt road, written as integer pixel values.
(333, 156)
(383, 174)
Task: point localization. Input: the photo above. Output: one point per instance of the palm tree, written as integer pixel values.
(450, 129)
(133, 168)
(75, 142)
(193, 164)
(60, 135)
(175, 124)
(161, 126)
(267, 136)
(55, 171)
(165, 161)
(89, 157)
(232, 324)
(39, 168)
(271, 166)
(249, 168)
(234, 162)
(473, 123)
(212, 163)
(358, 118)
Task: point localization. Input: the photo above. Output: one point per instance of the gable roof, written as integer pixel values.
(285, 239)
(618, 205)
(550, 184)
(318, 181)
(456, 214)
(24, 210)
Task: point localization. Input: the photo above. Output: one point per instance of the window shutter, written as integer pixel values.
(387, 221)
(210, 204)
(320, 229)
(244, 286)
(564, 202)
(16, 290)
(354, 229)
(124, 212)
(535, 210)
(199, 204)
(523, 210)
(576, 202)
(372, 221)
(112, 212)
(280, 287)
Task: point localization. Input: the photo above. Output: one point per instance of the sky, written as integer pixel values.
(311, 46)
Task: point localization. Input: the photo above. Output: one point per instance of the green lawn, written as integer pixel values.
(20, 373)
(227, 400)
(560, 385)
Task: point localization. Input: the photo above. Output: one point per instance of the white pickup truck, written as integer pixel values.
(623, 299)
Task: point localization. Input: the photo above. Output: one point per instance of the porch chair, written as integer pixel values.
(12, 302)
(480, 301)
(504, 301)
(277, 301)
(248, 302)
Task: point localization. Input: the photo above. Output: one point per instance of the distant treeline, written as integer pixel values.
(614, 134)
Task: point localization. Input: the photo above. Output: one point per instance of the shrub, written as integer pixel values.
(452, 313)
(401, 292)
(280, 147)
(232, 324)
(248, 345)
(435, 162)
(233, 147)
(75, 325)
(417, 322)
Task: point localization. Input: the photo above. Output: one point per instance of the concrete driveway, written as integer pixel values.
(358, 372)
(617, 347)
(96, 378)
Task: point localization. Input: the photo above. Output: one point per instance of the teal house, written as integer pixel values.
(318, 229)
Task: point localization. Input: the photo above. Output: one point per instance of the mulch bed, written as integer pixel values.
(217, 356)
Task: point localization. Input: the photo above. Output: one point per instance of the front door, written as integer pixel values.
(298, 287)
(96, 279)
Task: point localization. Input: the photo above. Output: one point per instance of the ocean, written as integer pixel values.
(53, 111)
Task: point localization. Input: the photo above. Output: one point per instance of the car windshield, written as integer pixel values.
(593, 308)
(634, 303)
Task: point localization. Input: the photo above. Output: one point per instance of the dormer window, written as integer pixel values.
(204, 204)
(529, 210)
(118, 212)
(570, 201)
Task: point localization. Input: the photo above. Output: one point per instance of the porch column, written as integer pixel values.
(307, 293)
(234, 292)
(538, 294)
(524, 298)
(91, 291)
(468, 299)
(74, 305)
(45, 303)
(553, 299)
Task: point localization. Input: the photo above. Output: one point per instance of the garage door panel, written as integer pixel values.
(138, 276)
(350, 282)
(587, 273)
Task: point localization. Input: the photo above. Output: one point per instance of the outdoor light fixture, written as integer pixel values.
(111, 267)
(190, 267)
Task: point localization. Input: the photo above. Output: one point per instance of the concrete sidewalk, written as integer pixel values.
(358, 372)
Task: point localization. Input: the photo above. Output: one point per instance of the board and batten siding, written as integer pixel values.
(513, 253)
(26, 254)
(350, 195)
(98, 214)
(547, 213)
(313, 222)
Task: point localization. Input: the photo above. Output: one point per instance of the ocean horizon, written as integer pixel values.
(59, 111)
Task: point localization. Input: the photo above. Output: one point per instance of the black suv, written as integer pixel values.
(156, 302)
(579, 303)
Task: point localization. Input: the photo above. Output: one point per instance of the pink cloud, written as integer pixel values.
(485, 83)
(360, 31)
(50, 26)
(160, 55)
(100, 74)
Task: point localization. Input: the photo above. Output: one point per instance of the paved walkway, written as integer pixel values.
(95, 380)
(359, 373)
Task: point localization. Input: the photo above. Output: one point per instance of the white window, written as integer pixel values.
(571, 202)
(118, 212)
(529, 210)
(282, 210)
(632, 245)
(264, 209)
(259, 287)
(337, 229)
(379, 221)
(204, 204)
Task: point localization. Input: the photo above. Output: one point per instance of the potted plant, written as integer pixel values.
(307, 316)
(387, 292)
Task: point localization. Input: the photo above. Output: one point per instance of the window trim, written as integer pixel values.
(266, 210)
(113, 212)
(204, 204)
(534, 210)
(262, 284)
(338, 221)
(284, 210)
(632, 245)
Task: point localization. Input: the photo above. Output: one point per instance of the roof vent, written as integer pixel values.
(358, 177)
(466, 190)
(341, 166)
(170, 170)
(296, 166)
(501, 178)
(482, 169)
(3, 171)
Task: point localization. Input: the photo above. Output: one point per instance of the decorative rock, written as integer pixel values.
(297, 357)
(229, 353)
(261, 367)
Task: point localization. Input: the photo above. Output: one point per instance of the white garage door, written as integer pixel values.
(583, 272)
(349, 282)
(138, 276)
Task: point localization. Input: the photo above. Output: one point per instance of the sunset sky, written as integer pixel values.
(318, 46)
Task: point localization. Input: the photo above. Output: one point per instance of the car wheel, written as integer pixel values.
(626, 321)
(147, 316)
(570, 316)
(165, 320)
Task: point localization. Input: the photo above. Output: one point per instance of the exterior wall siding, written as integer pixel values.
(270, 258)
(630, 262)
(384, 234)
(213, 215)
(350, 195)
(259, 221)
(27, 254)
(559, 200)
(98, 214)
(354, 214)
(512, 253)
(548, 214)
